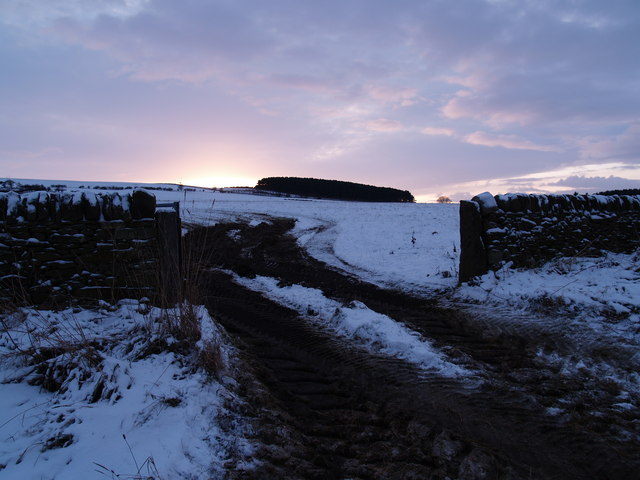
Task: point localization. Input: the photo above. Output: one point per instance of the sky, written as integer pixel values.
(450, 97)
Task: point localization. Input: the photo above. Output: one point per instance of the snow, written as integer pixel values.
(31, 200)
(602, 294)
(487, 202)
(159, 420)
(13, 199)
(357, 323)
(413, 247)
(410, 246)
(76, 198)
(374, 242)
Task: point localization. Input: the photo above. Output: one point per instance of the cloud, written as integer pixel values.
(506, 141)
(457, 196)
(191, 42)
(383, 125)
(36, 14)
(539, 98)
(404, 97)
(624, 146)
(21, 155)
(596, 183)
(589, 178)
(520, 62)
(304, 82)
(447, 132)
(547, 63)
(544, 83)
(487, 110)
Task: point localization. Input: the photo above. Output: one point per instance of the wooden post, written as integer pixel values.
(169, 242)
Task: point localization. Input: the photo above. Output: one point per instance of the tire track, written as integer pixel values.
(317, 379)
(340, 405)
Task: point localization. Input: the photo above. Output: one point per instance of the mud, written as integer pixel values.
(326, 409)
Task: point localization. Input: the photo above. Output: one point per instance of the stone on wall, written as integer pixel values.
(4, 201)
(13, 203)
(486, 203)
(116, 207)
(71, 207)
(143, 204)
(90, 206)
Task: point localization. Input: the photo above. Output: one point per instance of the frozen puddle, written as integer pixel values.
(357, 323)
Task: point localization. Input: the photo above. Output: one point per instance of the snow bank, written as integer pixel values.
(602, 293)
(120, 409)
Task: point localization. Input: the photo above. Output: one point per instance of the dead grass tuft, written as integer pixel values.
(212, 359)
(47, 340)
(183, 322)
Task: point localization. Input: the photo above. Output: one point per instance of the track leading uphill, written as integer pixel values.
(327, 409)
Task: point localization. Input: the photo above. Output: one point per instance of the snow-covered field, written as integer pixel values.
(416, 247)
(591, 302)
(412, 246)
(159, 399)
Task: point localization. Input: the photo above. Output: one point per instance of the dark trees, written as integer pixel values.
(333, 189)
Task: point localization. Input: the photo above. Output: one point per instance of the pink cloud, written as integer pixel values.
(448, 132)
(623, 146)
(403, 96)
(383, 125)
(467, 105)
(296, 78)
(596, 183)
(506, 141)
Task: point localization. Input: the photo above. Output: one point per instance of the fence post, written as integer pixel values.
(169, 241)
(473, 255)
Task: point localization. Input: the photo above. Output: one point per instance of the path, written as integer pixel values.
(328, 409)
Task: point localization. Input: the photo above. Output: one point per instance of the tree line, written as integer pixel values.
(627, 191)
(333, 189)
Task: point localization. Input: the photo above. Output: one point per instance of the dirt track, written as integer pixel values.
(325, 409)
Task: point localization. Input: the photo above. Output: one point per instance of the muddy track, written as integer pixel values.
(334, 411)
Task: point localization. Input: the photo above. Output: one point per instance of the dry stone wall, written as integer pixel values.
(58, 247)
(528, 230)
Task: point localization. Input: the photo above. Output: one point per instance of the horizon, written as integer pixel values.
(437, 98)
(87, 184)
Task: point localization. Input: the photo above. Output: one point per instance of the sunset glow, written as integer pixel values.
(221, 182)
(433, 97)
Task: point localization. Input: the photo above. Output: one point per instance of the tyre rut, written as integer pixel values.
(316, 378)
(338, 405)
